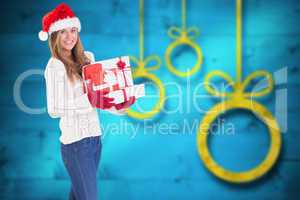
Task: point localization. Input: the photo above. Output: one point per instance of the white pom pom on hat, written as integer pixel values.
(43, 35)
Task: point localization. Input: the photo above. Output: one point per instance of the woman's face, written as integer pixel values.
(68, 38)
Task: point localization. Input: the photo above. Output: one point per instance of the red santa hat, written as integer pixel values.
(59, 18)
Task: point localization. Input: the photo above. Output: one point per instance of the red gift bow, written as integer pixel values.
(122, 65)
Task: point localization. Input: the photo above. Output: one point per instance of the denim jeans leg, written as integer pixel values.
(72, 194)
(79, 160)
(98, 151)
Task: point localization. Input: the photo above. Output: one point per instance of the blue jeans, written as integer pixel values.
(81, 160)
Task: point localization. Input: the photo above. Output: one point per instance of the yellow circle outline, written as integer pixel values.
(158, 106)
(181, 41)
(259, 170)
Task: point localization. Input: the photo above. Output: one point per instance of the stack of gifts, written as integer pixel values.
(114, 77)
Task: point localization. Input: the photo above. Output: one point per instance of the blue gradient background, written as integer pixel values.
(153, 163)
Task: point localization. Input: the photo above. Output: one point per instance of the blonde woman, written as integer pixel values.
(79, 124)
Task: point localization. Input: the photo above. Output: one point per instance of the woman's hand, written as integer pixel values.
(98, 98)
(125, 104)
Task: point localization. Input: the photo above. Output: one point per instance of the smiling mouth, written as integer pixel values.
(68, 43)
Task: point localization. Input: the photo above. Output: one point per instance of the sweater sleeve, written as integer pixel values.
(59, 99)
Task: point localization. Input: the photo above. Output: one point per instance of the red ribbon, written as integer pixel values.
(122, 65)
(124, 94)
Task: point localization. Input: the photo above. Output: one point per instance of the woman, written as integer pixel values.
(79, 124)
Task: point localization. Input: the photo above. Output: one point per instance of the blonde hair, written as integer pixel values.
(73, 66)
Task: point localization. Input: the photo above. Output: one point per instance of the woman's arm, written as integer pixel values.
(59, 100)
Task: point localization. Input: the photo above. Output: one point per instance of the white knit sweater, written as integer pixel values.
(78, 119)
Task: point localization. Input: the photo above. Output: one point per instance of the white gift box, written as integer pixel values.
(115, 78)
(113, 75)
(122, 95)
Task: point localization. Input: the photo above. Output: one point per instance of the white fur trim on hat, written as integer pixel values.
(43, 35)
(65, 23)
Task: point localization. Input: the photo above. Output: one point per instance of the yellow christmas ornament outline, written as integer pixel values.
(183, 36)
(143, 71)
(239, 99)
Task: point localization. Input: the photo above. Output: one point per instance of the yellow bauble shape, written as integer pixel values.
(259, 170)
(158, 106)
(183, 41)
